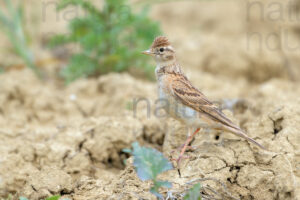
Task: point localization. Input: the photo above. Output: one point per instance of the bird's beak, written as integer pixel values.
(147, 52)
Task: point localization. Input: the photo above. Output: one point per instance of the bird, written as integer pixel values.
(184, 101)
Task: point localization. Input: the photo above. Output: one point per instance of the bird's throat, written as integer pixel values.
(166, 63)
(164, 68)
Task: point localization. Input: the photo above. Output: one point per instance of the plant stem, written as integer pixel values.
(15, 32)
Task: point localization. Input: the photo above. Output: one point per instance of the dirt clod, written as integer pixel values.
(68, 140)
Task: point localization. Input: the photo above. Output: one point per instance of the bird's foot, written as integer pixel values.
(185, 146)
(180, 158)
(182, 149)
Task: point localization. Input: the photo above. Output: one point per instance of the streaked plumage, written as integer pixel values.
(187, 103)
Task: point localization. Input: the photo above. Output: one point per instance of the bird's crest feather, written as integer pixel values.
(160, 41)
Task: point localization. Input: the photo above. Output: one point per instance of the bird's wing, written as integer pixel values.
(187, 94)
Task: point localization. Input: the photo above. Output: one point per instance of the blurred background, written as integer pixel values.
(255, 40)
(71, 66)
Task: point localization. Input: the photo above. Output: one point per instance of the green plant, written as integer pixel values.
(109, 39)
(156, 1)
(193, 193)
(12, 25)
(9, 197)
(55, 197)
(149, 163)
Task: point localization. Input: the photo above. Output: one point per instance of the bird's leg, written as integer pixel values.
(188, 146)
(181, 146)
(189, 139)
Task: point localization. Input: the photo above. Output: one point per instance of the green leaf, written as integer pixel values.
(12, 25)
(157, 185)
(126, 150)
(154, 191)
(59, 39)
(109, 39)
(23, 198)
(75, 68)
(193, 193)
(165, 184)
(149, 162)
(56, 197)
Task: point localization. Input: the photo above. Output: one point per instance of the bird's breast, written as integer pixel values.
(175, 108)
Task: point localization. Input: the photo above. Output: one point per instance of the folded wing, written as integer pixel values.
(188, 95)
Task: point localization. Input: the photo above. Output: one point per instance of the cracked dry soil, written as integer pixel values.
(49, 145)
(69, 140)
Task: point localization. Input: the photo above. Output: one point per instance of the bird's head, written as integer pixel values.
(161, 50)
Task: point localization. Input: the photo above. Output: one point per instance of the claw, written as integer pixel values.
(179, 158)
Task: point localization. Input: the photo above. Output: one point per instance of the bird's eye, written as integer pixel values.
(161, 49)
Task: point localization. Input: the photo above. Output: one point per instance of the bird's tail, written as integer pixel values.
(240, 133)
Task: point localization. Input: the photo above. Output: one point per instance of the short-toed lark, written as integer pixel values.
(185, 102)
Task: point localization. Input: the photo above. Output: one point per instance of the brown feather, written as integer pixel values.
(160, 41)
(187, 94)
(240, 133)
(193, 98)
(178, 89)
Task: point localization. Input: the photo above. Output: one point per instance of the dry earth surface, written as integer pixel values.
(68, 140)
